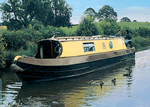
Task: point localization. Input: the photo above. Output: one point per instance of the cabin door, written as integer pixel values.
(50, 49)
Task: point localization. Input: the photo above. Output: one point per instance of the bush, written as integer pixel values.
(109, 26)
(2, 53)
(143, 32)
(87, 27)
(10, 55)
(17, 39)
(31, 49)
(13, 40)
(70, 31)
(134, 20)
(139, 42)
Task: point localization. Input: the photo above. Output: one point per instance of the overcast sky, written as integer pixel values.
(134, 9)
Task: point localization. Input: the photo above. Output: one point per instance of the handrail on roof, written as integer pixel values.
(82, 38)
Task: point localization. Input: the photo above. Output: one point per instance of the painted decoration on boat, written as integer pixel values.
(104, 45)
(123, 43)
(110, 45)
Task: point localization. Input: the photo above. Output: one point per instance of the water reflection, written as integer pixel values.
(131, 89)
(78, 91)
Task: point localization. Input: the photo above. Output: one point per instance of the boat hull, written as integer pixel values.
(36, 73)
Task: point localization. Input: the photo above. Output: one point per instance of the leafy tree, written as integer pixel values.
(106, 12)
(125, 19)
(17, 13)
(134, 20)
(109, 26)
(87, 27)
(57, 13)
(90, 11)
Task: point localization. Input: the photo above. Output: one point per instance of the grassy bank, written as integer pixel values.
(133, 25)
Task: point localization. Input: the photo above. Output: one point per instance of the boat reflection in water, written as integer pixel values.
(75, 92)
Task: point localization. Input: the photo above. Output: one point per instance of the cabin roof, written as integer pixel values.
(77, 38)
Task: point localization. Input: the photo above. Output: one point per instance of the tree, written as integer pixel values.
(58, 13)
(90, 11)
(125, 19)
(87, 27)
(134, 20)
(109, 26)
(106, 12)
(17, 13)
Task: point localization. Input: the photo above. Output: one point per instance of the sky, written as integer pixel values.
(133, 9)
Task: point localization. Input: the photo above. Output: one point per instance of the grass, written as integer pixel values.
(133, 25)
(69, 31)
(3, 27)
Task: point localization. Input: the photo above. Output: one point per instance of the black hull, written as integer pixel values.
(44, 73)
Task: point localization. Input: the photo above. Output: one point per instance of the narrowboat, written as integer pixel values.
(64, 57)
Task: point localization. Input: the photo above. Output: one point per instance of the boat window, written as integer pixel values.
(89, 47)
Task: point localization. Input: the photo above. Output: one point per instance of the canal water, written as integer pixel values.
(132, 88)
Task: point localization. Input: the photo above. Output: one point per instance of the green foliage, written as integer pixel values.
(31, 49)
(143, 32)
(20, 13)
(87, 27)
(57, 13)
(90, 11)
(133, 25)
(70, 31)
(106, 12)
(17, 39)
(134, 20)
(10, 55)
(125, 19)
(2, 53)
(16, 13)
(13, 40)
(109, 26)
(139, 42)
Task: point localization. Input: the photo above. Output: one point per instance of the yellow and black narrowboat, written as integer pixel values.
(64, 57)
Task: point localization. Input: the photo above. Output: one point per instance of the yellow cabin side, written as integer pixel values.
(75, 48)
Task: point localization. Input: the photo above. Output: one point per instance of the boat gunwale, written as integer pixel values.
(65, 60)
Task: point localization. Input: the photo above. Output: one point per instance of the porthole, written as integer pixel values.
(110, 45)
